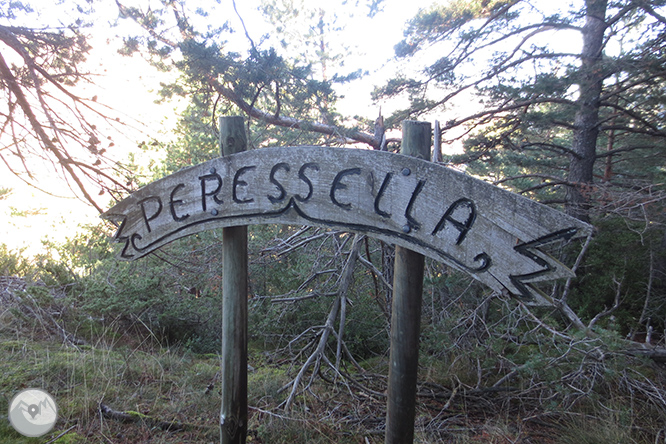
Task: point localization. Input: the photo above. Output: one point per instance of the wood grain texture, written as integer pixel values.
(406, 314)
(233, 407)
(481, 229)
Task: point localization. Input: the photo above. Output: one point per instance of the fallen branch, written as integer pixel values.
(607, 311)
(61, 435)
(657, 354)
(133, 417)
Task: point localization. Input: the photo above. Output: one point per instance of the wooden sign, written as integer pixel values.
(490, 233)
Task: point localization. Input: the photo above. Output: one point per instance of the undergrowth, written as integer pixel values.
(491, 370)
(150, 381)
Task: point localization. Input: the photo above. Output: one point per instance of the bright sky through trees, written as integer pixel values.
(128, 85)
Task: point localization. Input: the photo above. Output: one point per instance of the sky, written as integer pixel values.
(31, 216)
(128, 86)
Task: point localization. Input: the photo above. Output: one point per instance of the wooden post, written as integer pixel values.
(233, 412)
(437, 145)
(406, 314)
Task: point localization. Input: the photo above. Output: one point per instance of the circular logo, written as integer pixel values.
(33, 412)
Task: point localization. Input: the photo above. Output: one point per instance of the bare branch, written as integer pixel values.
(340, 134)
(315, 358)
(606, 312)
(14, 87)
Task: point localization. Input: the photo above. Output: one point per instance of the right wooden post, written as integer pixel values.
(406, 314)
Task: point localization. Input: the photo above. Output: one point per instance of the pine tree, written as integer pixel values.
(269, 88)
(553, 115)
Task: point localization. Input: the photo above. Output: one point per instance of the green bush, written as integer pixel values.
(13, 263)
(173, 295)
(622, 253)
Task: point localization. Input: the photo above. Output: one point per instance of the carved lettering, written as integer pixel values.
(480, 229)
(338, 185)
(156, 213)
(413, 223)
(380, 194)
(304, 178)
(528, 249)
(462, 227)
(241, 183)
(274, 181)
(173, 203)
(208, 177)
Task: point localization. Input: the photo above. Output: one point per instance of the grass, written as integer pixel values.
(163, 383)
(171, 384)
(154, 382)
(131, 372)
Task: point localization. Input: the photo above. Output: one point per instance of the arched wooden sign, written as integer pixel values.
(490, 233)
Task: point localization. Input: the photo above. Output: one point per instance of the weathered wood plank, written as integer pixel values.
(481, 229)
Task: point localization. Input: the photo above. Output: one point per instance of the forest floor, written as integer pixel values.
(115, 382)
(124, 391)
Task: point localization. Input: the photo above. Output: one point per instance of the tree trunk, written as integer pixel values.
(586, 120)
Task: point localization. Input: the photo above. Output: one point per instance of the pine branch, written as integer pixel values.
(250, 109)
(290, 122)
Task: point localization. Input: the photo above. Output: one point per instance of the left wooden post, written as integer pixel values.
(233, 412)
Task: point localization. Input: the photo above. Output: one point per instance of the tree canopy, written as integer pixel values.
(272, 88)
(45, 119)
(568, 92)
(570, 96)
